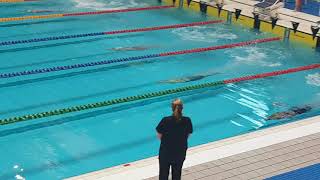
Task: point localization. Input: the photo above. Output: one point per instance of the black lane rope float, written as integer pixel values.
(48, 16)
(156, 28)
(151, 95)
(135, 58)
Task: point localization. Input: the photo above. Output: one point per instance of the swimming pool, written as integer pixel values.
(66, 145)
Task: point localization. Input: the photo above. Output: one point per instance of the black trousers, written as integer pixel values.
(176, 167)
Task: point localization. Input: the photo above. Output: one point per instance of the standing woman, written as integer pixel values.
(298, 5)
(173, 131)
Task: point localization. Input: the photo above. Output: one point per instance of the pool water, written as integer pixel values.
(67, 145)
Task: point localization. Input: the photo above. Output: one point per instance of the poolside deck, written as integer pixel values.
(254, 155)
(261, 163)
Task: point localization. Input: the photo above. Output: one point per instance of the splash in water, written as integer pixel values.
(313, 79)
(254, 56)
(18, 172)
(104, 5)
(19, 177)
(204, 34)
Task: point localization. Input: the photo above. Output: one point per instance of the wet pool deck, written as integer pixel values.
(261, 163)
(255, 155)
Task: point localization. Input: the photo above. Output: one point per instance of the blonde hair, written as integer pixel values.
(177, 107)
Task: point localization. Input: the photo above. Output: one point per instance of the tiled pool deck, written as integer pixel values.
(255, 155)
(261, 163)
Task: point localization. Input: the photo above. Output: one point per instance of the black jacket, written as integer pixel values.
(174, 141)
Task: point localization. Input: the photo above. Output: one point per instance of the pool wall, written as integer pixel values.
(250, 21)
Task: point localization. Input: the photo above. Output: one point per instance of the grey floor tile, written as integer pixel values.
(153, 178)
(269, 169)
(249, 154)
(244, 169)
(233, 165)
(286, 164)
(252, 167)
(277, 153)
(224, 175)
(198, 175)
(242, 162)
(247, 176)
(226, 167)
(226, 160)
(253, 159)
(257, 178)
(260, 151)
(208, 165)
(252, 153)
(200, 168)
(275, 173)
(187, 171)
(278, 166)
(235, 172)
(233, 178)
(218, 162)
(216, 170)
(252, 174)
(236, 157)
(268, 162)
(261, 163)
(188, 177)
(206, 178)
(277, 160)
(209, 172)
(265, 170)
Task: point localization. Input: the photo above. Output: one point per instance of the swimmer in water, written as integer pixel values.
(39, 11)
(133, 48)
(279, 104)
(189, 78)
(290, 113)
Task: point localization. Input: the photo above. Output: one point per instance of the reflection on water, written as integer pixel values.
(205, 34)
(313, 79)
(104, 5)
(18, 171)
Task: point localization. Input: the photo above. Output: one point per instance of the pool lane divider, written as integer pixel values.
(156, 28)
(48, 16)
(152, 95)
(135, 58)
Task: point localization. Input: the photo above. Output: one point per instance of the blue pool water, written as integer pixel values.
(71, 144)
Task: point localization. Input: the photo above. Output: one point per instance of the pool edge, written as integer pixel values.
(147, 168)
(283, 27)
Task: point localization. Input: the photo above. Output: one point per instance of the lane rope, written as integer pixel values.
(151, 95)
(21, 18)
(156, 28)
(134, 58)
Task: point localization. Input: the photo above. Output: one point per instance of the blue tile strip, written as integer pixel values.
(307, 173)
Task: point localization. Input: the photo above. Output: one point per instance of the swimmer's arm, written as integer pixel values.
(159, 135)
(169, 81)
(163, 82)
